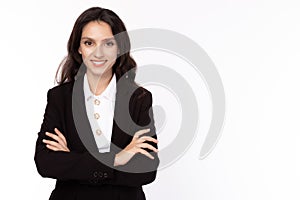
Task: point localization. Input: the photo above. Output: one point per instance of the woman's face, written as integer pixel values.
(98, 48)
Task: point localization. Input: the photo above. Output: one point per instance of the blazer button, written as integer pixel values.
(95, 174)
(105, 175)
(100, 174)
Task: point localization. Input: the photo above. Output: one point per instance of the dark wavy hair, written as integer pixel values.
(72, 62)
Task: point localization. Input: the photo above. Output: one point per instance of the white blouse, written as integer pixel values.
(100, 112)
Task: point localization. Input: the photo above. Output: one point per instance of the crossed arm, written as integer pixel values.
(122, 158)
(55, 160)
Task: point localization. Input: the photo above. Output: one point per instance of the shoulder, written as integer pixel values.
(141, 96)
(140, 93)
(61, 89)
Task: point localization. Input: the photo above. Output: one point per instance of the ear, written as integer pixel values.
(79, 51)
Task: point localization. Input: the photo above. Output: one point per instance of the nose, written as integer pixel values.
(98, 52)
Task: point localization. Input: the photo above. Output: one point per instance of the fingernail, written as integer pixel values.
(47, 133)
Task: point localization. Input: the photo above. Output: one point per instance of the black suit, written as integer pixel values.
(79, 174)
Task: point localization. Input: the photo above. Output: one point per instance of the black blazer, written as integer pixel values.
(79, 174)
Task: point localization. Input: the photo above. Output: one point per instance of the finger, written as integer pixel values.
(55, 137)
(52, 147)
(147, 138)
(56, 149)
(146, 153)
(53, 143)
(148, 146)
(60, 135)
(141, 132)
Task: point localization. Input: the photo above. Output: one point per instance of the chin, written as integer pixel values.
(97, 72)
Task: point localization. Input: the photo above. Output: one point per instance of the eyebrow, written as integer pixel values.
(106, 39)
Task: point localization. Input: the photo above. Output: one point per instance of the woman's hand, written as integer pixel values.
(135, 146)
(60, 144)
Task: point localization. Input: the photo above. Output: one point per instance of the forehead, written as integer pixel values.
(97, 30)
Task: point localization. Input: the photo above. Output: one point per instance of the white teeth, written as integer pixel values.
(98, 62)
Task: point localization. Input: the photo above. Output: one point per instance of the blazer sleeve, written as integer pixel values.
(140, 170)
(67, 165)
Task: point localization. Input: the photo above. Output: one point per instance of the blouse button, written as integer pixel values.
(96, 102)
(98, 132)
(96, 115)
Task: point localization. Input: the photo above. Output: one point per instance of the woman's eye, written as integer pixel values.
(109, 44)
(88, 43)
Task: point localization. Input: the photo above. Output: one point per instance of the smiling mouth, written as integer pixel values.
(99, 63)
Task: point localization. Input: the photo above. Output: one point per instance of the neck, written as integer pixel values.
(99, 83)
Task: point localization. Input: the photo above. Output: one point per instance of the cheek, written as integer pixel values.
(111, 54)
(86, 53)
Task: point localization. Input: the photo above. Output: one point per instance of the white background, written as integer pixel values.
(255, 46)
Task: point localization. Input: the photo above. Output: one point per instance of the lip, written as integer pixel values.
(98, 63)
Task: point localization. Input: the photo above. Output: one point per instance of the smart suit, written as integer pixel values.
(79, 175)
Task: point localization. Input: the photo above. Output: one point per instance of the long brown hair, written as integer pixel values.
(71, 64)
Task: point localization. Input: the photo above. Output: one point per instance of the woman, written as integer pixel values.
(98, 136)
